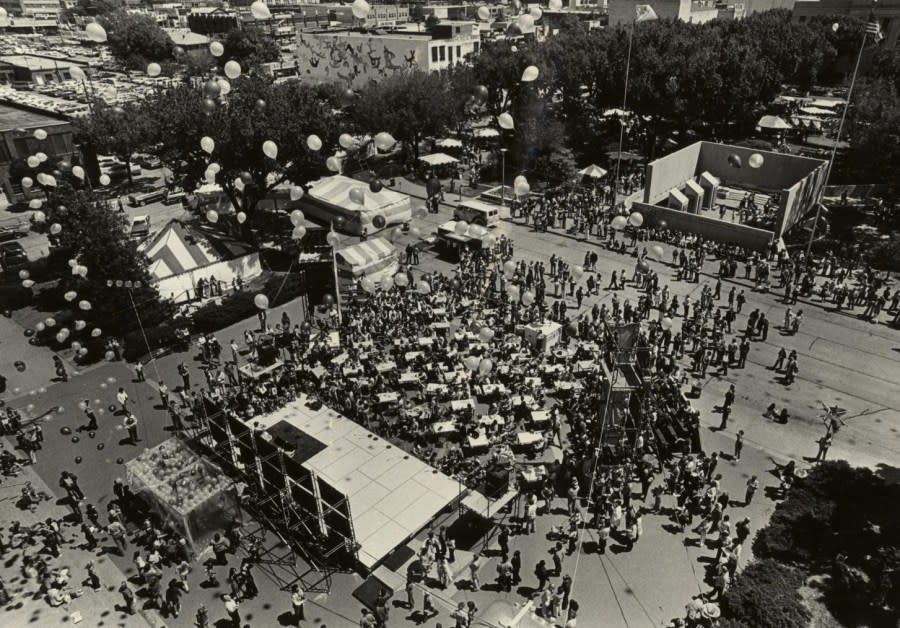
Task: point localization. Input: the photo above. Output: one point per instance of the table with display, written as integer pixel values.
(530, 440)
(254, 371)
(387, 398)
(479, 442)
(408, 378)
(540, 417)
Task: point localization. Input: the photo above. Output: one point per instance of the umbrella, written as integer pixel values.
(773, 123)
(592, 171)
(448, 142)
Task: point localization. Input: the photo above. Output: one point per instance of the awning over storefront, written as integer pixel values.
(365, 253)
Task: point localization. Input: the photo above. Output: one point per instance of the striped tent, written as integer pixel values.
(171, 252)
(366, 253)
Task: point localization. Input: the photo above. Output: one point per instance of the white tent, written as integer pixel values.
(817, 111)
(181, 255)
(486, 132)
(449, 142)
(329, 198)
(438, 159)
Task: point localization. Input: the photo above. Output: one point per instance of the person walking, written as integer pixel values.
(127, 596)
(91, 416)
(185, 374)
(233, 610)
(117, 531)
(173, 597)
(474, 566)
(298, 599)
(738, 445)
(516, 562)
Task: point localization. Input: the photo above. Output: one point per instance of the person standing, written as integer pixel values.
(117, 531)
(474, 566)
(503, 540)
(726, 412)
(516, 562)
(131, 424)
(185, 374)
(410, 594)
(173, 597)
(298, 599)
(824, 445)
(91, 416)
(139, 372)
(122, 398)
(738, 445)
(752, 487)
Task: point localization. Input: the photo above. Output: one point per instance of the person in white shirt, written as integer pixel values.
(298, 597)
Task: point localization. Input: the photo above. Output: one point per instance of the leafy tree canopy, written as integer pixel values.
(249, 48)
(136, 39)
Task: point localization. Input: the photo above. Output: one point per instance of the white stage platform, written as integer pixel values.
(392, 494)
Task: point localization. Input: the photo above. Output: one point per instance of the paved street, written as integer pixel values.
(843, 361)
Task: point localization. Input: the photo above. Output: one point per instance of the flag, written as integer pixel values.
(644, 13)
(873, 28)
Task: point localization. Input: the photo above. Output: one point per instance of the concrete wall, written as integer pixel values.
(671, 171)
(779, 170)
(710, 228)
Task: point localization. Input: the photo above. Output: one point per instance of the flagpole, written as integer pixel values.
(624, 109)
(812, 231)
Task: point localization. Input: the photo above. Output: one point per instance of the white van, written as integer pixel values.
(478, 213)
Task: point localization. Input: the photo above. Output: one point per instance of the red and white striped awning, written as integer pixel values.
(367, 252)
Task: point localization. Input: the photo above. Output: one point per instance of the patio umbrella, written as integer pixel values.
(449, 142)
(486, 132)
(592, 171)
(773, 123)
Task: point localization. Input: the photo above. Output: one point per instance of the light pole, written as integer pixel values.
(622, 122)
(503, 178)
(837, 139)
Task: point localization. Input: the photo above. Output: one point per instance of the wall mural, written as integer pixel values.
(355, 62)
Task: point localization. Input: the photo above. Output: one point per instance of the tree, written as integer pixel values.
(95, 234)
(873, 129)
(255, 111)
(249, 48)
(408, 105)
(136, 39)
(765, 596)
(120, 131)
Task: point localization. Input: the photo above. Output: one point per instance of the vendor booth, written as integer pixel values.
(375, 258)
(544, 336)
(185, 490)
(188, 262)
(333, 201)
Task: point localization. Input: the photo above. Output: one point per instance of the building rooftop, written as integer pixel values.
(32, 62)
(17, 118)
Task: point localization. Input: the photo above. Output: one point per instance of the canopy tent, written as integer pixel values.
(438, 159)
(486, 132)
(367, 252)
(329, 198)
(773, 123)
(817, 111)
(826, 103)
(449, 142)
(180, 255)
(609, 113)
(592, 171)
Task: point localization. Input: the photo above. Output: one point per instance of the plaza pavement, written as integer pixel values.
(843, 360)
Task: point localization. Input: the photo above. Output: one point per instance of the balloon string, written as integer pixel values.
(144, 335)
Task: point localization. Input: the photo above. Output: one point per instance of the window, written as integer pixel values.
(443, 53)
(434, 55)
(459, 52)
(450, 53)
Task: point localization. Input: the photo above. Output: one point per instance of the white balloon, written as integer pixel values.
(84, 305)
(33, 161)
(484, 13)
(333, 164)
(536, 13)
(555, 5)
(346, 141)
(35, 203)
(384, 141)
(40, 134)
(296, 192)
(530, 74)
(79, 325)
(207, 143)
(212, 216)
(232, 69)
(153, 70)
(360, 9)
(505, 121)
(526, 23)
(104, 179)
(95, 332)
(756, 160)
(270, 149)
(27, 182)
(42, 157)
(78, 171)
(260, 10)
(95, 32)
(55, 228)
(216, 49)
(71, 295)
(313, 142)
(261, 301)
(241, 218)
(39, 216)
(224, 86)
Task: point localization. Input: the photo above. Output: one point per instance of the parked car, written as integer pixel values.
(142, 198)
(12, 256)
(12, 232)
(140, 227)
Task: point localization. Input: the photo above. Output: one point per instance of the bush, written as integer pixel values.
(158, 337)
(766, 596)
